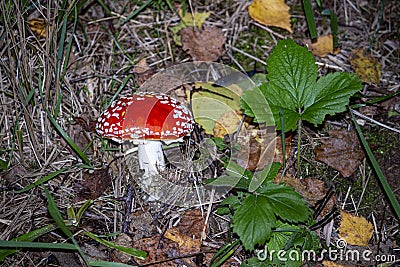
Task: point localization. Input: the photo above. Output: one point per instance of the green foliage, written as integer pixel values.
(293, 87)
(257, 214)
(9, 247)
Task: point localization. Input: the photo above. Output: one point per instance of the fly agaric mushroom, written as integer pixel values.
(146, 119)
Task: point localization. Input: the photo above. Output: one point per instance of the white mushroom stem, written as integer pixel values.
(151, 159)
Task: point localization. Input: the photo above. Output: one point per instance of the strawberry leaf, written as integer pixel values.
(293, 87)
(285, 202)
(253, 221)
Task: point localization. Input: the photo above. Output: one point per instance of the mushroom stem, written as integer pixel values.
(151, 159)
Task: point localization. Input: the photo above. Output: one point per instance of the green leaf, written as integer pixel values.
(312, 28)
(130, 251)
(254, 104)
(253, 221)
(28, 237)
(285, 202)
(332, 95)
(42, 180)
(293, 87)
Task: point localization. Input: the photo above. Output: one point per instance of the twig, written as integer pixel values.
(374, 121)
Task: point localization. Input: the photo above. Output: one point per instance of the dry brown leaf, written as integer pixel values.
(203, 45)
(342, 151)
(366, 66)
(142, 71)
(158, 249)
(331, 264)
(192, 223)
(271, 13)
(355, 230)
(92, 185)
(257, 149)
(323, 46)
(119, 256)
(38, 26)
(186, 244)
(311, 189)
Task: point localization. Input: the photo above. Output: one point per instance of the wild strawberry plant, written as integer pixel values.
(294, 93)
(275, 216)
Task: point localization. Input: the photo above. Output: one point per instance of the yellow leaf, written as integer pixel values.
(331, 264)
(323, 46)
(38, 27)
(366, 67)
(184, 242)
(208, 105)
(227, 123)
(196, 19)
(271, 13)
(355, 230)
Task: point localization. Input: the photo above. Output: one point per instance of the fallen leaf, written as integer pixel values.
(355, 230)
(158, 249)
(341, 151)
(271, 13)
(92, 185)
(203, 45)
(227, 123)
(119, 256)
(186, 244)
(257, 148)
(142, 72)
(192, 223)
(323, 46)
(311, 189)
(195, 19)
(366, 66)
(331, 264)
(38, 26)
(209, 103)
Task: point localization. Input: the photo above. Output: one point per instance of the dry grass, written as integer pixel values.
(103, 53)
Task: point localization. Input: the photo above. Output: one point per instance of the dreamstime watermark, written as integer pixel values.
(340, 253)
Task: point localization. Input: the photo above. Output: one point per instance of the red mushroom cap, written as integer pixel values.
(145, 116)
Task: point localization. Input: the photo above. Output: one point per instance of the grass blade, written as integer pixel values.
(41, 180)
(310, 18)
(382, 179)
(135, 13)
(130, 251)
(68, 139)
(20, 244)
(28, 237)
(56, 215)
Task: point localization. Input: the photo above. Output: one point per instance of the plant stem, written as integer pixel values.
(299, 147)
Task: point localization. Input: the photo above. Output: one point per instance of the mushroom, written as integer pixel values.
(146, 119)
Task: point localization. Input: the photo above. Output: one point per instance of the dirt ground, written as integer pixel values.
(51, 98)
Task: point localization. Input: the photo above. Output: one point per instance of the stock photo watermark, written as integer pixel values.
(339, 253)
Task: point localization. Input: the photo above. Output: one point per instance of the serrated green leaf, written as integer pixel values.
(285, 202)
(293, 87)
(268, 173)
(253, 221)
(332, 92)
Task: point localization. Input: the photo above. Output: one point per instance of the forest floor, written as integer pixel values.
(57, 76)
